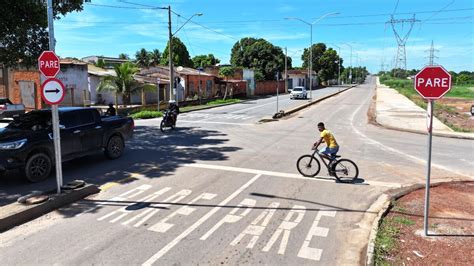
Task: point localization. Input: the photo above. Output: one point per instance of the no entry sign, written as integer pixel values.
(52, 91)
(48, 64)
(433, 82)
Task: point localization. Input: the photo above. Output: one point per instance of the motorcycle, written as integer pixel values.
(168, 121)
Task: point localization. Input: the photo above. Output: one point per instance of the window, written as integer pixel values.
(86, 117)
(69, 119)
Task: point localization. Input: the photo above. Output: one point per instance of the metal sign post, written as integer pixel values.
(428, 167)
(54, 107)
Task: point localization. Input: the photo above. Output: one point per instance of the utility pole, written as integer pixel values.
(286, 70)
(432, 56)
(170, 52)
(401, 57)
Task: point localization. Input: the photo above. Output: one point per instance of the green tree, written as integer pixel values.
(124, 56)
(260, 55)
(23, 29)
(123, 82)
(155, 57)
(205, 60)
(180, 54)
(226, 72)
(100, 63)
(142, 58)
(318, 50)
(463, 79)
(329, 65)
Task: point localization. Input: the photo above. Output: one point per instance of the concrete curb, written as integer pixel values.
(298, 108)
(16, 214)
(383, 204)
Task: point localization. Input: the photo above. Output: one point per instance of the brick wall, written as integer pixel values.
(269, 87)
(3, 91)
(25, 75)
(192, 85)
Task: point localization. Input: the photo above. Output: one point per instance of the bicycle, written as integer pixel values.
(342, 169)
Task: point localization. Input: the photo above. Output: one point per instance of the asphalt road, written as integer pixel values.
(228, 191)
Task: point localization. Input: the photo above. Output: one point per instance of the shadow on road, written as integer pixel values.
(150, 154)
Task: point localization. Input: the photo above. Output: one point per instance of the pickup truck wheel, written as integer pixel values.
(114, 147)
(38, 167)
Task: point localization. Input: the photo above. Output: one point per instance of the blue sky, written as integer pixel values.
(99, 30)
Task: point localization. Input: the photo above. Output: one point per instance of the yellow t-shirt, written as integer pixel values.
(329, 138)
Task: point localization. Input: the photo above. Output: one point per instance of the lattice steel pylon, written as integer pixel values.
(432, 55)
(401, 56)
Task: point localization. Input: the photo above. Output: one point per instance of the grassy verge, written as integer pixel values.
(387, 238)
(462, 91)
(226, 101)
(146, 114)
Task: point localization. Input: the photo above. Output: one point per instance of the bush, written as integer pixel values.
(223, 101)
(146, 115)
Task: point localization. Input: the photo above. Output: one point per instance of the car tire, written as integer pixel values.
(114, 148)
(38, 167)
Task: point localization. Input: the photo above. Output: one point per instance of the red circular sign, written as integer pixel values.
(432, 82)
(53, 91)
(48, 64)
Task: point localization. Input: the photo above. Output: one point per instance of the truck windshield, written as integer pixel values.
(35, 120)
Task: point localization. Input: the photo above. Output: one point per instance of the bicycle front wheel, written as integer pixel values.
(308, 166)
(346, 170)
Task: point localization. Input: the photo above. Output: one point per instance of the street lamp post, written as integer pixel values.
(350, 70)
(311, 48)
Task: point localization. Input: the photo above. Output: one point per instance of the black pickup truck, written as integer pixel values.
(27, 142)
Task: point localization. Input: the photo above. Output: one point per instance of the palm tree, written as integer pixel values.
(155, 57)
(142, 58)
(121, 84)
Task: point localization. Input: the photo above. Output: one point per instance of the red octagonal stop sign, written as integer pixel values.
(432, 82)
(48, 64)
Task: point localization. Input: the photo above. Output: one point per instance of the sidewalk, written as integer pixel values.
(395, 111)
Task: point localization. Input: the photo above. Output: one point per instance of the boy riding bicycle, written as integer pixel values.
(332, 148)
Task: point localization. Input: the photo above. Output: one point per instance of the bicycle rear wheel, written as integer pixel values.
(308, 165)
(346, 170)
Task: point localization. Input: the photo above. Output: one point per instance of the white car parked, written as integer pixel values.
(298, 93)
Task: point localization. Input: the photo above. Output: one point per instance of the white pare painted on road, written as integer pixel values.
(402, 154)
(122, 197)
(256, 228)
(232, 217)
(163, 225)
(203, 219)
(311, 253)
(123, 210)
(285, 227)
(172, 199)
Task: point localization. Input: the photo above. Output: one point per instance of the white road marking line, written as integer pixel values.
(172, 199)
(279, 174)
(256, 228)
(148, 198)
(203, 219)
(285, 227)
(212, 122)
(384, 147)
(308, 252)
(124, 210)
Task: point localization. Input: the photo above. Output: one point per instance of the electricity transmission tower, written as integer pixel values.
(432, 55)
(401, 56)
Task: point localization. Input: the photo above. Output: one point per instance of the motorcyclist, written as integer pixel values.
(174, 111)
